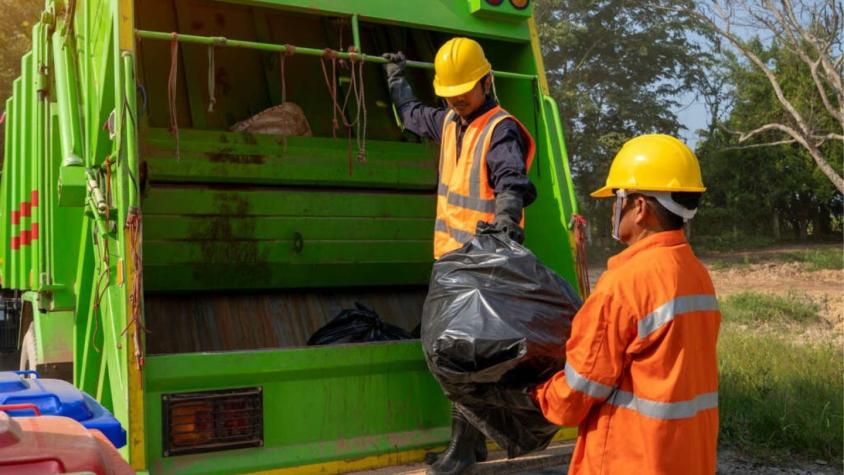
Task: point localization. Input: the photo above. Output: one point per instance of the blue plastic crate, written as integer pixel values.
(55, 397)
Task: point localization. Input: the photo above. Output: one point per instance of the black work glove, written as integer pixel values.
(508, 215)
(400, 90)
(395, 66)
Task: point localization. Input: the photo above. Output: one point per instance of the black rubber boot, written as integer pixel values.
(461, 451)
(480, 446)
(480, 452)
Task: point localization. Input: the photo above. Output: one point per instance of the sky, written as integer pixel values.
(693, 116)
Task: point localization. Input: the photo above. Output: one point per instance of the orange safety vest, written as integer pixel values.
(464, 195)
(641, 374)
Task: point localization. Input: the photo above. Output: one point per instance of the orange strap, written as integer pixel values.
(581, 261)
(172, 88)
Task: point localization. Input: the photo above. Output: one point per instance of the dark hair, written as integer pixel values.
(669, 220)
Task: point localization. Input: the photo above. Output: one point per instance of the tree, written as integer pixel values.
(15, 36)
(762, 187)
(809, 33)
(616, 68)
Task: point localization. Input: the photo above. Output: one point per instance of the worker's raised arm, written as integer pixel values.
(418, 118)
(595, 354)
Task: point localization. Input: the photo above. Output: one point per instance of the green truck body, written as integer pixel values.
(174, 269)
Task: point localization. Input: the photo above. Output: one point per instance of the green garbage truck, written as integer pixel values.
(191, 188)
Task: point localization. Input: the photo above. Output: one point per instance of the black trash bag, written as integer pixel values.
(357, 326)
(494, 325)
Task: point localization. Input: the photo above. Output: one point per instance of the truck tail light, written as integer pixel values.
(520, 4)
(212, 420)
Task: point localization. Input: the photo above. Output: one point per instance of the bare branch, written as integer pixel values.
(809, 146)
(788, 26)
(830, 136)
(720, 16)
(745, 136)
(757, 145)
(759, 64)
(822, 49)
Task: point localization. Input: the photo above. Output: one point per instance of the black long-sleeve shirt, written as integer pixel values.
(505, 160)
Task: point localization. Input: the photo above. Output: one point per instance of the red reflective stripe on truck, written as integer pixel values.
(16, 242)
(34, 231)
(26, 209)
(16, 217)
(34, 198)
(26, 237)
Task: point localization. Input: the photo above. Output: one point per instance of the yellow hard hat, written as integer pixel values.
(459, 65)
(653, 162)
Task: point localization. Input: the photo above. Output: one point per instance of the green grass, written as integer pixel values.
(819, 258)
(751, 307)
(779, 396)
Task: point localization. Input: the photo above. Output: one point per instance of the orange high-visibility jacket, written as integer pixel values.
(641, 376)
(464, 195)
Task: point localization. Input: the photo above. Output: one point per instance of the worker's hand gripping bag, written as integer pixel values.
(495, 324)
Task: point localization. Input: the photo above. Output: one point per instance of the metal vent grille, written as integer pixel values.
(212, 420)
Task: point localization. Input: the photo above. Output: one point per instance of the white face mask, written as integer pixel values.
(663, 197)
(620, 195)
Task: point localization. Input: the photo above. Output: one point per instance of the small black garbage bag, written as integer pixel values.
(494, 325)
(357, 325)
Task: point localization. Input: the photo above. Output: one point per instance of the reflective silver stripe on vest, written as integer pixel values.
(665, 410)
(667, 311)
(448, 117)
(458, 235)
(456, 199)
(484, 206)
(584, 385)
(475, 176)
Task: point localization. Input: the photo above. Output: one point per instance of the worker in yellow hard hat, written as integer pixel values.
(641, 375)
(485, 155)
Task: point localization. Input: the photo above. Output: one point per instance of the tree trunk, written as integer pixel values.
(776, 226)
(802, 229)
(824, 221)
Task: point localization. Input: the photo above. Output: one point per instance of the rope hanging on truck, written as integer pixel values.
(289, 50)
(360, 97)
(105, 273)
(357, 90)
(581, 261)
(212, 99)
(331, 84)
(172, 89)
(133, 234)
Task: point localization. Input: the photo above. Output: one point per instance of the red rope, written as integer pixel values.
(581, 261)
(172, 89)
(289, 50)
(133, 228)
(362, 106)
(212, 80)
(331, 84)
(357, 89)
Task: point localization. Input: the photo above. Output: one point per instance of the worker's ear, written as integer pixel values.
(487, 84)
(641, 210)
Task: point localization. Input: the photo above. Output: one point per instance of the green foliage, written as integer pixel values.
(751, 307)
(16, 23)
(774, 189)
(705, 244)
(615, 68)
(779, 398)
